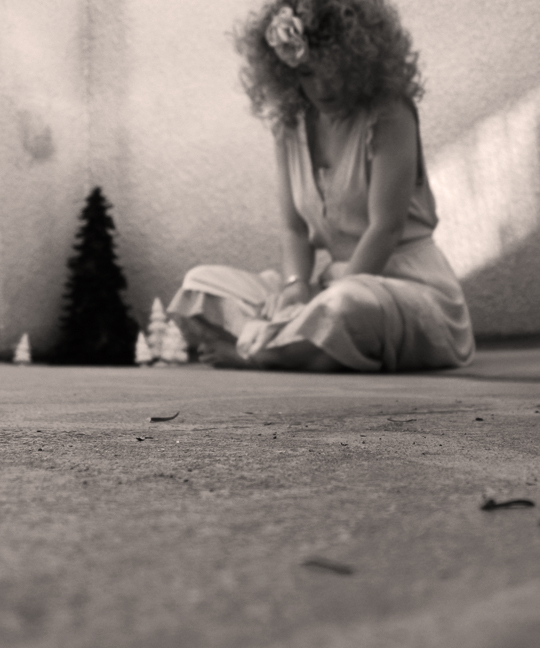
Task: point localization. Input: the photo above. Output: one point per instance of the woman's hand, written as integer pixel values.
(334, 271)
(295, 293)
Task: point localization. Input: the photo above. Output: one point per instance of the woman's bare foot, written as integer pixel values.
(223, 354)
(197, 330)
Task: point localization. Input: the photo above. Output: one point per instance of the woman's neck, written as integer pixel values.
(334, 118)
(328, 134)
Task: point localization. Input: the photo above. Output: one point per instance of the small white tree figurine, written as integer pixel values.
(143, 355)
(174, 347)
(156, 328)
(22, 352)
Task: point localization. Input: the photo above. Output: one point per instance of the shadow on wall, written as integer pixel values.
(504, 296)
(487, 186)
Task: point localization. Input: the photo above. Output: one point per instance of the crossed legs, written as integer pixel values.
(217, 348)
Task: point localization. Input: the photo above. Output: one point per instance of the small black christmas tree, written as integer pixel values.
(96, 328)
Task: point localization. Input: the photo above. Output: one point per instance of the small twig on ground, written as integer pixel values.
(162, 419)
(491, 504)
(325, 563)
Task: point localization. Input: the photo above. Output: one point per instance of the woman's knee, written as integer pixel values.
(198, 273)
(344, 298)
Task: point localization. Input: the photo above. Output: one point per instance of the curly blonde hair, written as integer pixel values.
(363, 37)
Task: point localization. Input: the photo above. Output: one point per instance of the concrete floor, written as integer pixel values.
(277, 510)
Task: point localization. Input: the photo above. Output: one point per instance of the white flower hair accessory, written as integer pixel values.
(286, 35)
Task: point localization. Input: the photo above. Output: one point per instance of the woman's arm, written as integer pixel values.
(393, 176)
(297, 252)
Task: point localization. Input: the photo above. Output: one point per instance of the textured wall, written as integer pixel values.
(43, 153)
(199, 167)
(481, 118)
(142, 97)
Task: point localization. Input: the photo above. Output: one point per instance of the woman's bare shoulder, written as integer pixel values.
(397, 111)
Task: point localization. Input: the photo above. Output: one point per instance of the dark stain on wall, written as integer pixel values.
(36, 136)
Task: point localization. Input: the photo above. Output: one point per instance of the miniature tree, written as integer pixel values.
(22, 354)
(96, 328)
(143, 355)
(174, 346)
(156, 328)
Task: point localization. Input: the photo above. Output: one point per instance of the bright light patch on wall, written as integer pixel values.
(487, 187)
(27, 40)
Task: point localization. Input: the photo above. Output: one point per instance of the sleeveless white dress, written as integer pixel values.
(413, 316)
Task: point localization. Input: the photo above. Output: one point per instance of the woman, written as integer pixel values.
(339, 81)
